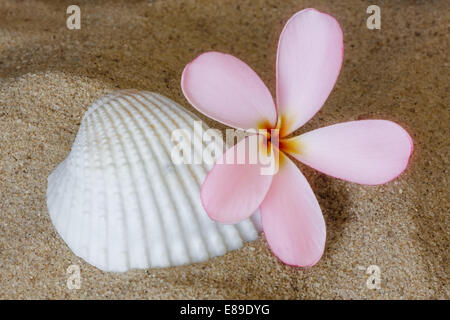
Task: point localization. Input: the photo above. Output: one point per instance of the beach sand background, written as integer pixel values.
(49, 75)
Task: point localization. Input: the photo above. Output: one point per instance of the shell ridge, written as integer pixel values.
(162, 222)
(185, 112)
(256, 220)
(68, 199)
(192, 176)
(105, 110)
(182, 118)
(89, 206)
(175, 203)
(63, 185)
(53, 182)
(117, 201)
(100, 138)
(123, 113)
(155, 203)
(140, 163)
(79, 203)
(101, 102)
(177, 120)
(246, 230)
(102, 248)
(200, 226)
(64, 227)
(56, 202)
(200, 212)
(158, 163)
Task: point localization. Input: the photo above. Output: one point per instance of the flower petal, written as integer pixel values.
(291, 217)
(233, 190)
(367, 151)
(310, 52)
(227, 90)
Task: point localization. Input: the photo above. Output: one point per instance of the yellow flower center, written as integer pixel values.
(275, 137)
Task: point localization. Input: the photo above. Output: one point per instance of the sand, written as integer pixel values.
(49, 75)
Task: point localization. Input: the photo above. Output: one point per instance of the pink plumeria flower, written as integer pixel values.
(310, 52)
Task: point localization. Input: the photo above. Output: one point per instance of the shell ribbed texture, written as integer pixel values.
(120, 203)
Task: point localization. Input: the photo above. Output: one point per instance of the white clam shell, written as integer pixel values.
(120, 203)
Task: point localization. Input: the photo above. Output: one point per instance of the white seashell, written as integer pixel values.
(120, 203)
